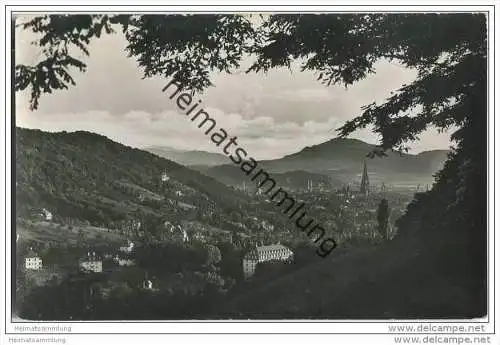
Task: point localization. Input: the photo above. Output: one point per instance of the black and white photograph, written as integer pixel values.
(255, 166)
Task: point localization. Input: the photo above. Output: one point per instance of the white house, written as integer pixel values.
(165, 177)
(43, 214)
(128, 249)
(32, 261)
(274, 252)
(147, 284)
(185, 237)
(47, 214)
(91, 262)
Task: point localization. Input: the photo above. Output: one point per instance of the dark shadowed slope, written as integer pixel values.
(394, 280)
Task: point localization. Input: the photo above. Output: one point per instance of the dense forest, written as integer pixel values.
(83, 176)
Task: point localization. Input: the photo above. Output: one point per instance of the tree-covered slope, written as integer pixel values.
(88, 176)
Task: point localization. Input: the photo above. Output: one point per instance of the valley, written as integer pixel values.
(189, 232)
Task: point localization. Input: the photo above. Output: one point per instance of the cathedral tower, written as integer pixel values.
(365, 182)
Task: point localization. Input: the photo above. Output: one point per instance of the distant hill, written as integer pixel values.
(348, 155)
(189, 158)
(90, 177)
(342, 159)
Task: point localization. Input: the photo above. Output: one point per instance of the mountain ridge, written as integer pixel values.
(342, 159)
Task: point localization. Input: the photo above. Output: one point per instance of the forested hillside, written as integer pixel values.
(85, 175)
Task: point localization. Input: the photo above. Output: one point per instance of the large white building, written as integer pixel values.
(32, 261)
(274, 252)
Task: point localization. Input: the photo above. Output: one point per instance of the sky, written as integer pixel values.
(272, 114)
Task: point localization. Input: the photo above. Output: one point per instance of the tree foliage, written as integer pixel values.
(186, 45)
(448, 51)
(88, 177)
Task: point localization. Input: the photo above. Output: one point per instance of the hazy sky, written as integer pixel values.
(272, 114)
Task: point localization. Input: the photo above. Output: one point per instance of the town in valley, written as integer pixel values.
(152, 232)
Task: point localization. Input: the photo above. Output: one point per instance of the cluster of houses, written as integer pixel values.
(188, 230)
(91, 262)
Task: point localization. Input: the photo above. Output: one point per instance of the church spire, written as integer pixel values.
(365, 183)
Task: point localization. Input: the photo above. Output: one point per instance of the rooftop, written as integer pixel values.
(270, 247)
(259, 252)
(91, 257)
